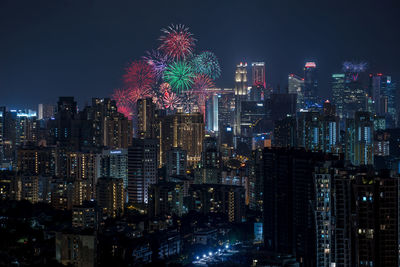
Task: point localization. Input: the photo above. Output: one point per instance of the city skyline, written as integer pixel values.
(82, 49)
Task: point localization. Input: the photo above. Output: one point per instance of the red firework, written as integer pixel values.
(171, 100)
(126, 110)
(178, 42)
(201, 82)
(121, 97)
(139, 75)
(135, 94)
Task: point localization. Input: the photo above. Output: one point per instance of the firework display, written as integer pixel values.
(172, 75)
(177, 42)
(207, 63)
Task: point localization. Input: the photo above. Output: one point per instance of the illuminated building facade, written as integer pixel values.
(110, 196)
(296, 86)
(310, 83)
(258, 74)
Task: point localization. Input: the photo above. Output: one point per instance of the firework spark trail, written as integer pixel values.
(177, 42)
(121, 97)
(127, 111)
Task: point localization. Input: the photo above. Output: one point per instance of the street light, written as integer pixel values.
(210, 253)
(204, 255)
(197, 257)
(226, 246)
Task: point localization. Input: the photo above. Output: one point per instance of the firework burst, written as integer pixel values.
(207, 63)
(157, 60)
(171, 100)
(177, 42)
(180, 76)
(127, 111)
(121, 97)
(139, 75)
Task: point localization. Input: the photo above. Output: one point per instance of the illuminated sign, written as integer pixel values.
(115, 152)
(311, 65)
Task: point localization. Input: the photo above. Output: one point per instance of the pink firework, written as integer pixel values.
(139, 75)
(126, 110)
(135, 94)
(121, 97)
(177, 42)
(165, 87)
(201, 83)
(171, 100)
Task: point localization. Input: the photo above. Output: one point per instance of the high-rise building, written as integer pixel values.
(258, 74)
(166, 198)
(184, 130)
(289, 224)
(176, 162)
(338, 91)
(145, 118)
(227, 199)
(241, 80)
(45, 111)
(110, 196)
(360, 139)
(212, 113)
(142, 169)
(113, 163)
(310, 83)
(296, 86)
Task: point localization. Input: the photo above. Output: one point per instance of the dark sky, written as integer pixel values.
(50, 48)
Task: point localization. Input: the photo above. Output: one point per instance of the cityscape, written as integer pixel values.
(190, 161)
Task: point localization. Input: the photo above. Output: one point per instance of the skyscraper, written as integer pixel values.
(338, 92)
(145, 118)
(142, 169)
(241, 79)
(310, 83)
(296, 86)
(258, 74)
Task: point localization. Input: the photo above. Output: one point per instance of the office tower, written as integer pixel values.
(285, 132)
(359, 139)
(176, 162)
(113, 163)
(184, 130)
(330, 129)
(310, 83)
(240, 95)
(296, 86)
(117, 132)
(142, 169)
(166, 198)
(383, 92)
(227, 199)
(226, 111)
(145, 118)
(110, 196)
(381, 143)
(45, 111)
(212, 113)
(258, 74)
(338, 84)
(241, 80)
(289, 225)
(376, 220)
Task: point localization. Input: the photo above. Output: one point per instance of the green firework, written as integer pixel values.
(180, 76)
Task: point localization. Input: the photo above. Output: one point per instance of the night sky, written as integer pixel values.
(50, 48)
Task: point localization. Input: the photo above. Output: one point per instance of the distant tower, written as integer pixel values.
(310, 83)
(258, 73)
(296, 86)
(241, 79)
(240, 94)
